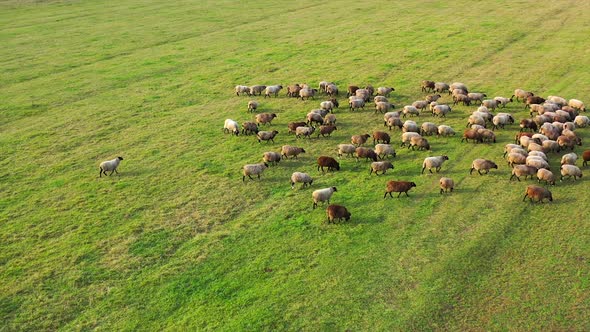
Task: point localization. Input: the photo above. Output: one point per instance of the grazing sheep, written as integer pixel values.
(394, 122)
(532, 146)
(332, 90)
(500, 120)
(550, 146)
(252, 105)
(356, 104)
(109, 165)
(503, 101)
(508, 148)
(421, 104)
(515, 158)
(257, 89)
(242, 89)
(359, 140)
(522, 134)
(304, 131)
(267, 136)
(472, 134)
(406, 138)
(538, 193)
(383, 150)
(253, 169)
(565, 142)
(314, 117)
(337, 212)
(398, 187)
(288, 150)
(329, 162)
(441, 110)
(299, 177)
(271, 157)
(380, 136)
(585, 157)
(482, 164)
(537, 162)
(307, 93)
(576, 104)
(348, 149)
(446, 184)
(444, 130)
(326, 130)
(411, 110)
(249, 127)
(330, 119)
(322, 195)
(366, 153)
(410, 126)
(231, 126)
(569, 171)
(384, 91)
(523, 170)
(521, 95)
(441, 87)
(546, 175)
(293, 90)
(428, 128)
(420, 142)
(383, 107)
(293, 126)
(382, 166)
(272, 90)
(433, 162)
(370, 89)
(490, 104)
(569, 158)
(427, 86)
(265, 118)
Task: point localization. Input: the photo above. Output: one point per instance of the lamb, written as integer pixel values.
(357, 103)
(314, 117)
(249, 127)
(348, 149)
(546, 175)
(394, 122)
(265, 118)
(427, 86)
(359, 140)
(299, 177)
(253, 169)
(472, 134)
(242, 89)
(411, 110)
(482, 164)
(382, 166)
(420, 142)
(307, 93)
(383, 106)
(267, 136)
(538, 193)
(381, 136)
(500, 120)
(444, 130)
(441, 110)
(322, 195)
(252, 105)
(441, 87)
(330, 119)
(337, 212)
(288, 150)
(433, 162)
(428, 128)
(516, 159)
(231, 126)
(293, 126)
(569, 171)
(366, 153)
(257, 89)
(384, 91)
(576, 104)
(585, 157)
(537, 162)
(410, 126)
(476, 96)
(490, 104)
(273, 89)
(326, 130)
(569, 158)
(109, 165)
(383, 150)
(522, 94)
(406, 137)
(271, 157)
(523, 170)
(503, 101)
(329, 162)
(446, 184)
(398, 187)
(304, 131)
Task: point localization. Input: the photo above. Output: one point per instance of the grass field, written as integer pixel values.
(176, 241)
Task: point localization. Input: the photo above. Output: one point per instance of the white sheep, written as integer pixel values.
(242, 89)
(272, 90)
(109, 165)
(253, 169)
(380, 98)
(382, 166)
(476, 120)
(444, 130)
(421, 104)
(271, 157)
(383, 150)
(231, 126)
(407, 137)
(490, 103)
(545, 175)
(503, 101)
(577, 104)
(537, 162)
(327, 105)
(330, 119)
(410, 126)
(569, 158)
(304, 131)
(322, 195)
(500, 120)
(411, 110)
(266, 136)
(433, 162)
(346, 149)
(514, 158)
(569, 171)
(538, 154)
(558, 100)
(252, 105)
(582, 121)
(428, 128)
(441, 110)
(299, 177)
(383, 106)
(384, 91)
(389, 115)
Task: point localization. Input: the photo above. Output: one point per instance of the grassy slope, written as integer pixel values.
(178, 241)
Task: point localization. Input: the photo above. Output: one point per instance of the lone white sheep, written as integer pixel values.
(231, 126)
(253, 169)
(109, 165)
(299, 177)
(569, 171)
(433, 162)
(322, 195)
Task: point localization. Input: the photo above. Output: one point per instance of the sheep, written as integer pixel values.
(253, 169)
(273, 89)
(487, 135)
(406, 137)
(288, 150)
(339, 212)
(537, 162)
(351, 90)
(370, 89)
(420, 142)
(522, 94)
(359, 140)
(356, 103)
(490, 103)
(381, 136)
(293, 90)
(242, 89)
(444, 130)
(446, 184)
(323, 85)
(532, 146)
(329, 162)
(109, 165)
(252, 105)
(433, 162)
(265, 118)
(366, 153)
(509, 147)
(431, 98)
(441, 87)
(427, 86)
(569, 171)
(476, 119)
(380, 98)
(472, 134)
(458, 85)
(503, 101)
(293, 126)
(545, 175)
(266, 136)
(394, 122)
(557, 100)
(538, 154)
(314, 117)
(304, 131)
(383, 106)
(257, 89)
(428, 128)
(477, 96)
(410, 126)
(321, 112)
(307, 93)
(329, 105)
(461, 99)
(398, 187)
(523, 170)
(441, 110)
(330, 119)
(550, 146)
(231, 126)
(271, 157)
(299, 177)
(348, 149)
(382, 166)
(322, 195)
(421, 104)
(533, 100)
(538, 193)
(363, 94)
(249, 127)
(565, 142)
(576, 104)
(411, 110)
(526, 124)
(383, 150)
(500, 120)
(482, 164)
(332, 90)
(514, 158)
(389, 115)
(384, 91)
(569, 158)
(585, 157)
(326, 130)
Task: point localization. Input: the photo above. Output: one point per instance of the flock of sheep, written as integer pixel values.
(551, 128)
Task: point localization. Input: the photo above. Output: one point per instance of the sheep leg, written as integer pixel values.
(407, 194)
(479, 171)
(471, 171)
(525, 196)
(430, 170)
(423, 168)
(250, 177)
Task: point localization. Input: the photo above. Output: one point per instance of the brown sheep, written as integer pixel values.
(249, 127)
(381, 136)
(538, 193)
(420, 142)
(462, 99)
(351, 90)
(339, 212)
(288, 150)
(366, 153)
(326, 130)
(482, 164)
(427, 86)
(533, 100)
(307, 93)
(526, 124)
(398, 187)
(293, 126)
(265, 118)
(359, 140)
(520, 170)
(293, 90)
(522, 94)
(472, 134)
(328, 162)
(257, 89)
(331, 90)
(585, 157)
(431, 98)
